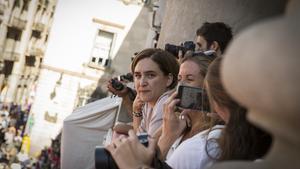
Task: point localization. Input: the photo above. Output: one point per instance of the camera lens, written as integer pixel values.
(103, 159)
(173, 49)
(117, 85)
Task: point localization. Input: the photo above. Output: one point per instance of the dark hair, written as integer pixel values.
(240, 140)
(217, 31)
(166, 62)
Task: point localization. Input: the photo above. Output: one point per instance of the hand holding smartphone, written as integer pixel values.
(192, 98)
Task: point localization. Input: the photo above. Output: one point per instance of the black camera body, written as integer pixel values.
(184, 47)
(116, 84)
(192, 98)
(103, 159)
(126, 77)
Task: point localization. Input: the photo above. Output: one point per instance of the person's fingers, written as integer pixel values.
(173, 96)
(131, 134)
(171, 107)
(117, 142)
(152, 143)
(122, 138)
(170, 98)
(111, 148)
(188, 121)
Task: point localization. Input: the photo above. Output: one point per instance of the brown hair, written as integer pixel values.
(166, 62)
(201, 60)
(240, 140)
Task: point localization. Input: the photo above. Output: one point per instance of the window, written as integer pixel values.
(8, 66)
(30, 61)
(14, 33)
(102, 49)
(36, 34)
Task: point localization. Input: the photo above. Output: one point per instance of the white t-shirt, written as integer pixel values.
(153, 117)
(192, 153)
(174, 146)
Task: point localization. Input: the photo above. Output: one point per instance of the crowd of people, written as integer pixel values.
(14, 144)
(180, 137)
(12, 120)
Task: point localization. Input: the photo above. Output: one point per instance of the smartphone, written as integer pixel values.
(192, 98)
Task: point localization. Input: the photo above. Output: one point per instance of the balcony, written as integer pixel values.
(36, 47)
(18, 23)
(11, 50)
(37, 23)
(36, 51)
(18, 18)
(39, 26)
(11, 56)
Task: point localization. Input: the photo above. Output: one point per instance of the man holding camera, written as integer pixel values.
(212, 38)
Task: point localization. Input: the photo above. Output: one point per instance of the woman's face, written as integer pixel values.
(222, 112)
(189, 74)
(149, 80)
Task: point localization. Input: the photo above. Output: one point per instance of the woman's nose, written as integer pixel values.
(182, 82)
(143, 81)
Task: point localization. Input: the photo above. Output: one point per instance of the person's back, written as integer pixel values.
(267, 54)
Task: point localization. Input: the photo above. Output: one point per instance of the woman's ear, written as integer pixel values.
(170, 80)
(214, 46)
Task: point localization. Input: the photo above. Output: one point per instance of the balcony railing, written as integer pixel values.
(12, 56)
(11, 50)
(18, 18)
(39, 26)
(36, 47)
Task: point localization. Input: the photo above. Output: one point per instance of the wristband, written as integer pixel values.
(137, 114)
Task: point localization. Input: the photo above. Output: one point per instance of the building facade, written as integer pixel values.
(90, 42)
(24, 30)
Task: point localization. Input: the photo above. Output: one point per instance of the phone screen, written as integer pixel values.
(192, 98)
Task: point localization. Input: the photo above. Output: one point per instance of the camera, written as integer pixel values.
(103, 159)
(192, 98)
(126, 77)
(184, 47)
(116, 84)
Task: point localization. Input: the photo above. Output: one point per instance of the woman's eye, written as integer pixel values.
(137, 76)
(190, 80)
(150, 75)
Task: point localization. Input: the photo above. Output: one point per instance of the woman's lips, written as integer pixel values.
(143, 91)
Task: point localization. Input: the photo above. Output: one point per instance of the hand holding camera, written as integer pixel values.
(110, 157)
(184, 47)
(118, 87)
